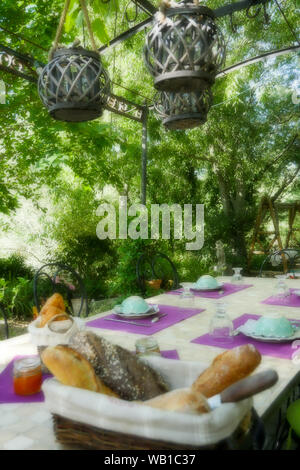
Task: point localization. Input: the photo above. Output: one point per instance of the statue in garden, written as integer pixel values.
(221, 260)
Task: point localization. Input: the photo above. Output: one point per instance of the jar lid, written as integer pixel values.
(27, 363)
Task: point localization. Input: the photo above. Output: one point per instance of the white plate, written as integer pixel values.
(153, 310)
(200, 289)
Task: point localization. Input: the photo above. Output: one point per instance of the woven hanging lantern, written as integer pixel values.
(74, 85)
(183, 110)
(184, 50)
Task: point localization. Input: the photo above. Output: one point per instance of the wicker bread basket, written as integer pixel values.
(90, 420)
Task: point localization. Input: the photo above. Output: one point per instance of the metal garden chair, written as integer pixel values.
(3, 314)
(64, 280)
(287, 259)
(160, 268)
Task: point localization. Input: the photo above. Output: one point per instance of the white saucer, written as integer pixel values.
(270, 339)
(153, 310)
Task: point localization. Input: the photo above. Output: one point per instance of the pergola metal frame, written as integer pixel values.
(26, 67)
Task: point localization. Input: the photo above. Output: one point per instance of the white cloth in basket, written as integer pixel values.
(121, 416)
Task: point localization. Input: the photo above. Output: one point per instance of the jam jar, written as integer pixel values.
(147, 346)
(27, 375)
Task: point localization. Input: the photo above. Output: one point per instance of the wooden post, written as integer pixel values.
(144, 157)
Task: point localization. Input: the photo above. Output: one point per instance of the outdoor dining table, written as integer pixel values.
(29, 426)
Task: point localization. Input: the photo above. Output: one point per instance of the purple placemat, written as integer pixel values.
(291, 301)
(7, 394)
(227, 289)
(170, 354)
(173, 315)
(281, 350)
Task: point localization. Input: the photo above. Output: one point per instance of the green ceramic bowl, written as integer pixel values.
(134, 304)
(206, 282)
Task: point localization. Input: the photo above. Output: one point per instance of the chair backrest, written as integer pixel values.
(164, 269)
(144, 272)
(287, 258)
(3, 314)
(64, 280)
(159, 266)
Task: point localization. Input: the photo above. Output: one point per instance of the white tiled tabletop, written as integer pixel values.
(29, 426)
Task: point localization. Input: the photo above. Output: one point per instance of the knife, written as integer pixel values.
(129, 322)
(245, 388)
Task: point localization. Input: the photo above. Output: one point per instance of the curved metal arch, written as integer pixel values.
(61, 267)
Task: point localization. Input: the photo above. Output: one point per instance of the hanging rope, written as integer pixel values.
(59, 29)
(88, 23)
(61, 25)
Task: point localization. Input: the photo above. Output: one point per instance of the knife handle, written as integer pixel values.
(252, 385)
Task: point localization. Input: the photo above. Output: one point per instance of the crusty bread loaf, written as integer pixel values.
(226, 369)
(119, 369)
(71, 368)
(50, 313)
(56, 300)
(182, 400)
(55, 305)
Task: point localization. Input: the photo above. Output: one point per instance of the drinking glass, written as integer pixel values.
(237, 277)
(221, 326)
(187, 294)
(281, 289)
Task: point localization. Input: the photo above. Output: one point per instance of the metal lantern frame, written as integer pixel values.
(185, 49)
(74, 85)
(183, 110)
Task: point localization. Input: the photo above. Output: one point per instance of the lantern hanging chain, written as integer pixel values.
(232, 25)
(287, 22)
(136, 13)
(83, 35)
(114, 56)
(266, 15)
(115, 33)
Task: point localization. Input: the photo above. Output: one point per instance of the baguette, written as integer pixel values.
(226, 369)
(71, 368)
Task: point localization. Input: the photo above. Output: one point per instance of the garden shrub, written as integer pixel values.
(15, 266)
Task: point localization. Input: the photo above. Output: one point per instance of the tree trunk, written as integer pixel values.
(234, 212)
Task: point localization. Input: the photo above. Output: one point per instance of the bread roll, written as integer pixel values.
(50, 313)
(119, 369)
(56, 300)
(226, 369)
(182, 399)
(71, 368)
